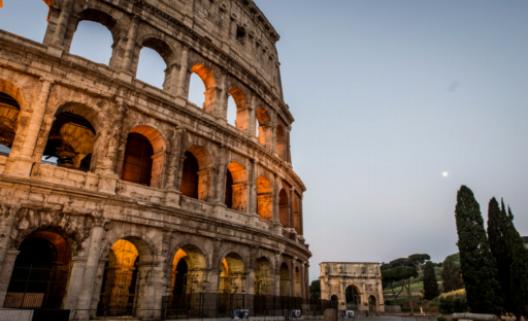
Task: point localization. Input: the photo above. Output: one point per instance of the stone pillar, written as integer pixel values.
(151, 289)
(275, 196)
(171, 82)
(273, 134)
(90, 273)
(20, 160)
(7, 216)
(220, 179)
(58, 21)
(252, 188)
(75, 282)
(220, 110)
(252, 126)
(129, 50)
(5, 272)
(184, 76)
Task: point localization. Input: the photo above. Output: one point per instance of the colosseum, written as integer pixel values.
(118, 198)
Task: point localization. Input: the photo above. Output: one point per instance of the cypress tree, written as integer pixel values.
(429, 282)
(476, 261)
(497, 235)
(519, 266)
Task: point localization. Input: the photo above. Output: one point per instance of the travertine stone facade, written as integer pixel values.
(126, 181)
(355, 286)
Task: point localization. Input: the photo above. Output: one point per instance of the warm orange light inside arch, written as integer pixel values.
(264, 198)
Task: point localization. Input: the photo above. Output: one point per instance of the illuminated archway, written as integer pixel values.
(264, 198)
(236, 186)
(240, 111)
(263, 125)
(188, 274)
(285, 280)
(231, 277)
(284, 208)
(207, 98)
(72, 137)
(195, 178)
(263, 279)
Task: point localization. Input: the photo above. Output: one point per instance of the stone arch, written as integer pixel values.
(263, 277)
(236, 195)
(284, 208)
(208, 78)
(296, 213)
(372, 303)
(162, 48)
(281, 146)
(41, 270)
(352, 297)
(195, 176)
(144, 156)
(9, 111)
(125, 277)
(188, 267)
(232, 274)
(241, 105)
(100, 17)
(297, 286)
(263, 125)
(72, 137)
(264, 198)
(285, 280)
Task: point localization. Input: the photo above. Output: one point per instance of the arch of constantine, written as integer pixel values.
(352, 285)
(117, 197)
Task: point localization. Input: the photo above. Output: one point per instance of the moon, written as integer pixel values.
(445, 174)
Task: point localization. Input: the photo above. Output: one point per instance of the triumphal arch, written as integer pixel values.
(118, 198)
(352, 285)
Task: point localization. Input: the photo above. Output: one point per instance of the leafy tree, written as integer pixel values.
(451, 275)
(430, 284)
(315, 290)
(477, 263)
(511, 256)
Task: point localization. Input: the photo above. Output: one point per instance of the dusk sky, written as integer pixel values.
(388, 97)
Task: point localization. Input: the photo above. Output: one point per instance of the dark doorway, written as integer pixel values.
(180, 284)
(189, 183)
(40, 274)
(352, 298)
(137, 165)
(229, 190)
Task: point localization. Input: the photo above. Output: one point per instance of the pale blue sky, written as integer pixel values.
(387, 95)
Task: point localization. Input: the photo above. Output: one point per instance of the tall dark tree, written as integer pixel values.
(315, 290)
(478, 265)
(430, 284)
(511, 256)
(451, 275)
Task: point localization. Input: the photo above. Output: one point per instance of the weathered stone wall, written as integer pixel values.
(364, 278)
(231, 45)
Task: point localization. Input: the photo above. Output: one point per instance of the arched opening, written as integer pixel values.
(282, 143)
(35, 11)
(231, 274)
(236, 186)
(231, 111)
(189, 183)
(237, 110)
(40, 274)
(137, 165)
(264, 198)
(202, 87)
(120, 284)
(296, 214)
(151, 67)
(188, 266)
(263, 126)
(153, 60)
(144, 157)
(93, 37)
(372, 304)
(263, 280)
(298, 287)
(334, 301)
(352, 298)
(71, 139)
(284, 208)
(9, 110)
(285, 282)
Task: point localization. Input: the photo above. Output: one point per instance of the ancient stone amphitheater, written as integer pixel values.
(121, 199)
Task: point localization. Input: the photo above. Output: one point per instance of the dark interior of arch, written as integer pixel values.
(229, 190)
(70, 142)
(352, 297)
(40, 273)
(189, 181)
(137, 165)
(9, 110)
